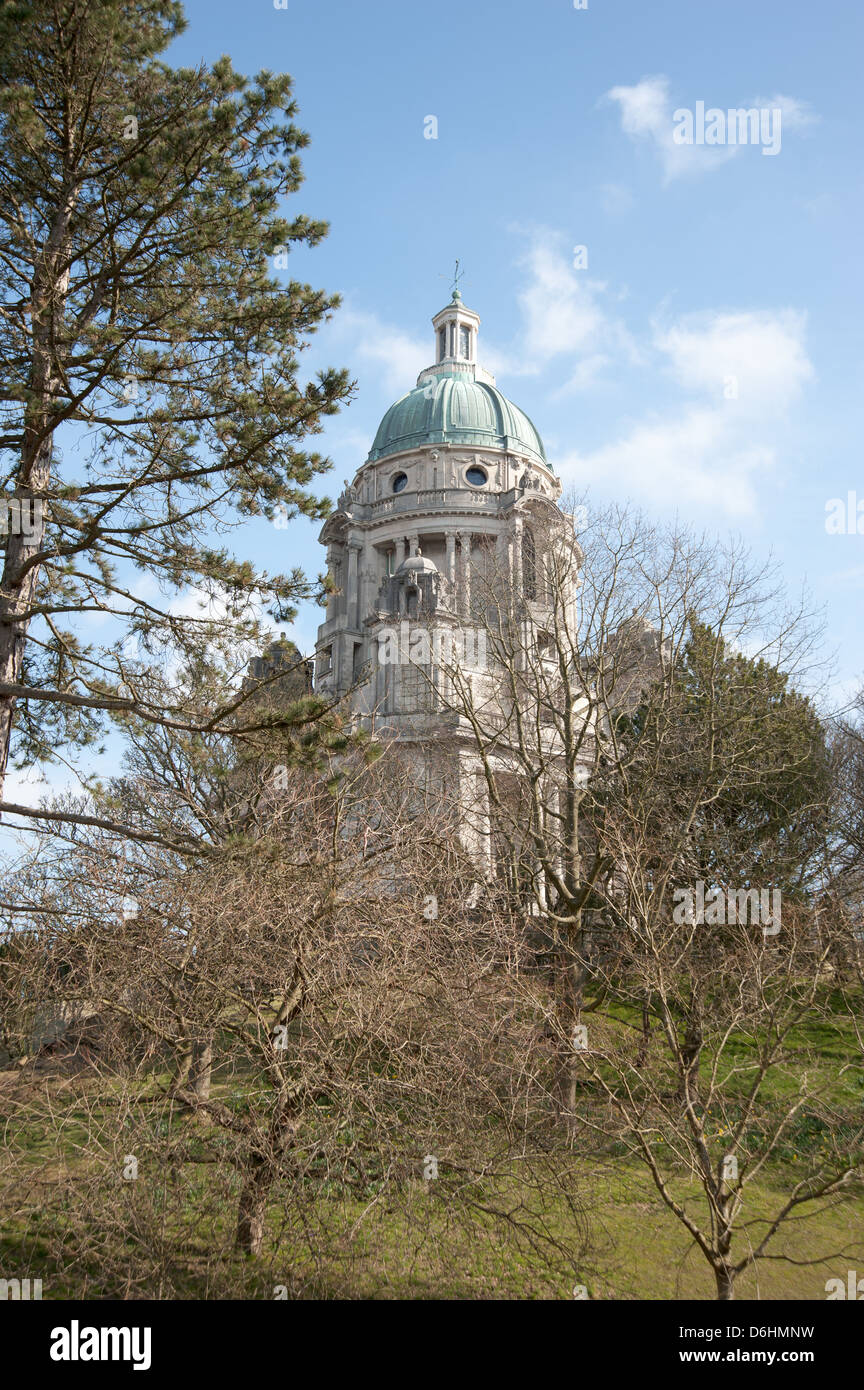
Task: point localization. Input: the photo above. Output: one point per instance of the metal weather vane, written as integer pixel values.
(457, 276)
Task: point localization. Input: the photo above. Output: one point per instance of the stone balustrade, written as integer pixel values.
(434, 499)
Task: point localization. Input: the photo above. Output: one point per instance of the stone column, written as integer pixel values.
(517, 557)
(400, 552)
(465, 539)
(450, 537)
(367, 587)
(332, 599)
(353, 586)
(501, 575)
(483, 822)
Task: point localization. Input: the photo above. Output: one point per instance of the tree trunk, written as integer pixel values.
(725, 1281)
(201, 1069)
(182, 1069)
(691, 1051)
(18, 589)
(566, 1089)
(252, 1208)
(18, 586)
(572, 986)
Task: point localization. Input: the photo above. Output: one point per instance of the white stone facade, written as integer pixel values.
(420, 535)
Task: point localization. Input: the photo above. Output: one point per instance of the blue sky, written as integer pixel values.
(554, 130)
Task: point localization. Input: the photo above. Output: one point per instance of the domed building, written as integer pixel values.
(444, 513)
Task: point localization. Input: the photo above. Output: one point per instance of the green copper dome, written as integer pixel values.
(453, 408)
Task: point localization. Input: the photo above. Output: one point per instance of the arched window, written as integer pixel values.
(529, 564)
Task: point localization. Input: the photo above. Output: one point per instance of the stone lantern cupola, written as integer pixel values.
(456, 333)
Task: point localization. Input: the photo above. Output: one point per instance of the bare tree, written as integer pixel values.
(367, 1054)
(644, 746)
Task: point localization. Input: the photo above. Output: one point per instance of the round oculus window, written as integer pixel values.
(476, 476)
(400, 481)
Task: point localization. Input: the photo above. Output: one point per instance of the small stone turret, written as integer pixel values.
(634, 659)
(414, 591)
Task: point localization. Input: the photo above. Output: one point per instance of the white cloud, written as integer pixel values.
(762, 353)
(715, 451)
(647, 116)
(739, 371)
(694, 458)
(560, 305)
(30, 786)
(219, 608)
(587, 374)
(25, 786)
(795, 114)
(197, 603)
(563, 314)
(397, 357)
